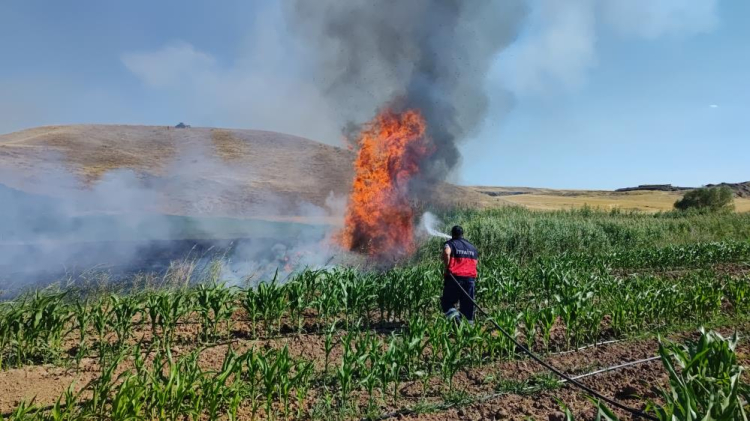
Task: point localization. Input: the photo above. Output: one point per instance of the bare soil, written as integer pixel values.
(486, 385)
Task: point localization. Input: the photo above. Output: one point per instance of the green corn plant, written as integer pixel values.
(452, 360)
(251, 376)
(738, 292)
(275, 369)
(369, 349)
(154, 312)
(370, 382)
(329, 297)
(82, 316)
(215, 390)
(11, 331)
(215, 304)
(165, 309)
(24, 411)
(350, 365)
(389, 368)
(271, 303)
(709, 383)
(571, 310)
(530, 318)
(234, 400)
(620, 316)
(383, 301)
(357, 294)
(100, 319)
(301, 383)
(328, 347)
(173, 386)
(707, 386)
(268, 373)
(297, 297)
(251, 304)
(66, 406)
(128, 400)
(591, 324)
(415, 343)
(469, 339)
(123, 310)
(500, 345)
(547, 318)
(37, 327)
(54, 317)
(101, 387)
(435, 330)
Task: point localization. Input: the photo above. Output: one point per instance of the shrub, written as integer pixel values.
(714, 199)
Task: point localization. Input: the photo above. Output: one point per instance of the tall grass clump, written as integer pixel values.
(526, 234)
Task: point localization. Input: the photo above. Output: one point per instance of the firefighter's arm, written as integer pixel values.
(446, 256)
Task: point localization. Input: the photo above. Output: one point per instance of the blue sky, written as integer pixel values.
(607, 93)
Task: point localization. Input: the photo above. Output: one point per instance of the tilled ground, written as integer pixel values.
(494, 391)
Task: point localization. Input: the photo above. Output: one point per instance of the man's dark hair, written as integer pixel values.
(457, 232)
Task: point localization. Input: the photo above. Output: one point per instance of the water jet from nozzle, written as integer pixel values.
(429, 224)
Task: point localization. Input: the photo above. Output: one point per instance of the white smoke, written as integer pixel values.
(54, 226)
(429, 223)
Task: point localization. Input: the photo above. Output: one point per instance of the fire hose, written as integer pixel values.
(565, 377)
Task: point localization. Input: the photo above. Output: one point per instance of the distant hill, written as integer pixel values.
(654, 187)
(739, 189)
(197, 171)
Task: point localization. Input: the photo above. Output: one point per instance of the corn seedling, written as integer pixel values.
(215, 305)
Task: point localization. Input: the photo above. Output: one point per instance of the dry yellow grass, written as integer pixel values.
(229, 147)
(548, 199)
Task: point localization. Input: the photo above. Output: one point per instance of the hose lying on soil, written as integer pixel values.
(568, 379)
(490, 396)
(614, 367)
(594, 345)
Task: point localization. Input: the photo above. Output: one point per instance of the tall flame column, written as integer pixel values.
(379, 217)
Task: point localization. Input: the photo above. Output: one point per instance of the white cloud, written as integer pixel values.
(655, 18)
(265, 88)
(170, 66)
(558, 47)
(713, 106)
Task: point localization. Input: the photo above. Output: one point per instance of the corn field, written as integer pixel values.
(353, 343)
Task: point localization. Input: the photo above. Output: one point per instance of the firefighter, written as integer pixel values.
(460, 258)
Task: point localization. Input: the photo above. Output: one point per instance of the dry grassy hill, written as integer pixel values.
(247, 173)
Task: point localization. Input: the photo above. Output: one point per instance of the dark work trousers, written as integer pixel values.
(453, 294)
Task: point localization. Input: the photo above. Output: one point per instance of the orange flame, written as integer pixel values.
(379, 216)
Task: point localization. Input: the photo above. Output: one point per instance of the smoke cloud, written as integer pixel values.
(426, 54)
(54, 226)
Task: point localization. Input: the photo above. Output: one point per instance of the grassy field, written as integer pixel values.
(549, 199)
(347, 343)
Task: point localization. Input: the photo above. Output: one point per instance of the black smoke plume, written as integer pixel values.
(427, 54)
